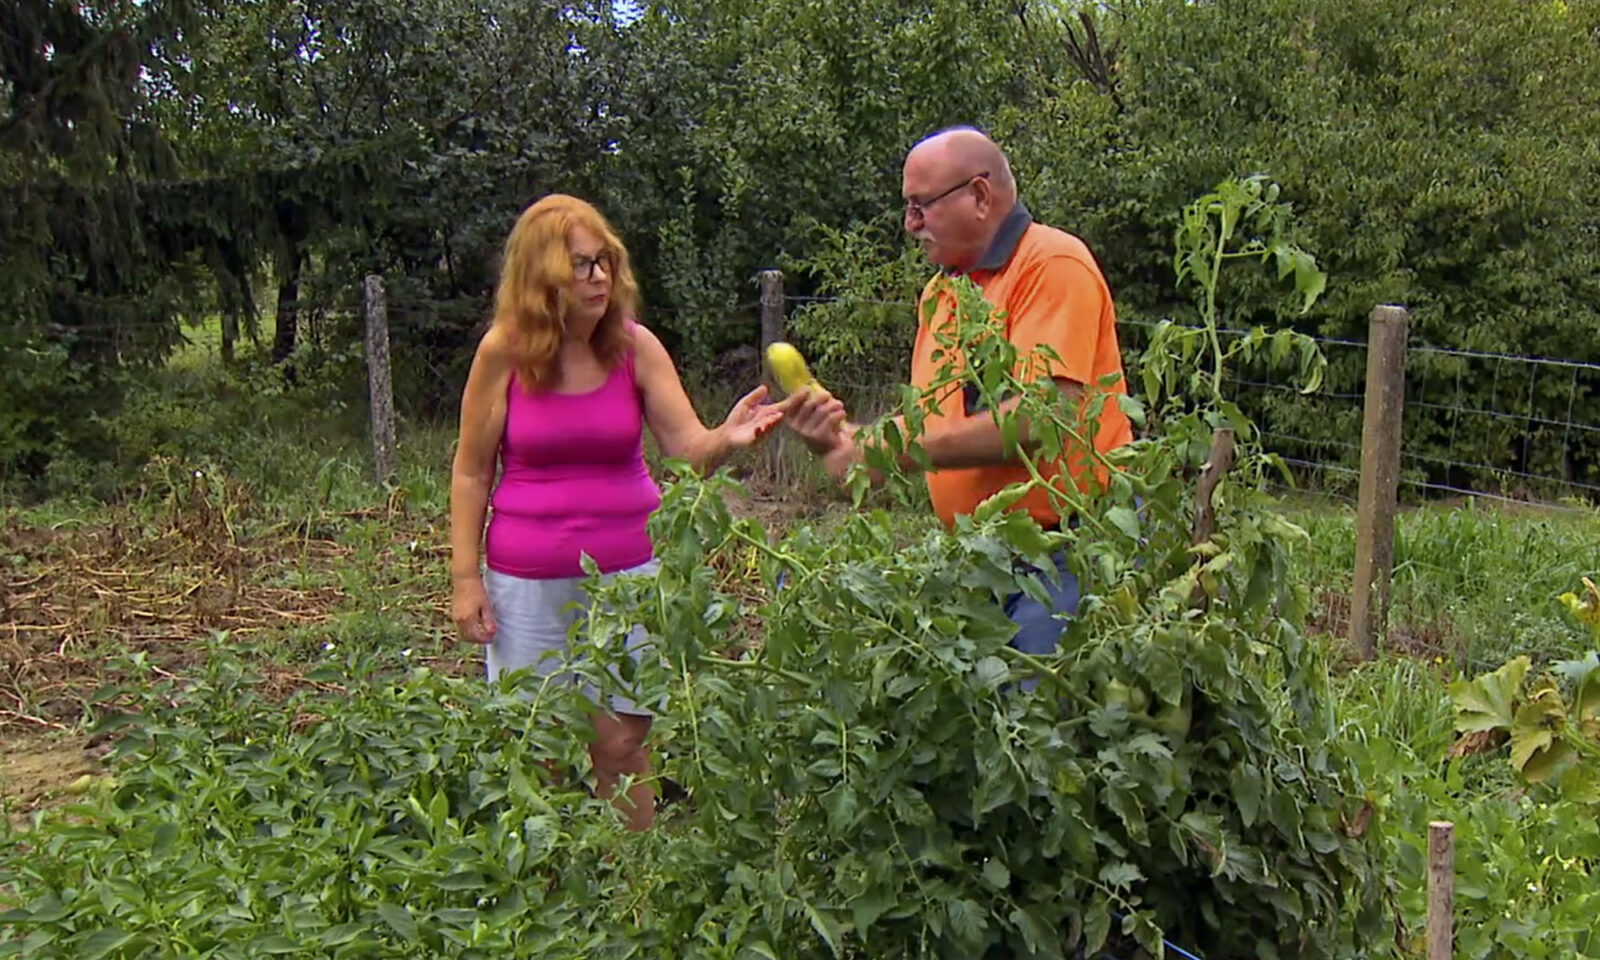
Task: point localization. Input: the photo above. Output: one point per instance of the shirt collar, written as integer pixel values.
(1005, 239)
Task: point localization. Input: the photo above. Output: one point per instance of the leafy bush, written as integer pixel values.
(373, 814)
(1525, 860)
(44, 404)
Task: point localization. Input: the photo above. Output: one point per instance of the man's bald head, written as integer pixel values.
(958, 190)
(967, 152)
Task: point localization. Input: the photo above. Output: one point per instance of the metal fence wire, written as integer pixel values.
(1476, 423)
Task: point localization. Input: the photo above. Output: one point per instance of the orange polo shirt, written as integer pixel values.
(1052, 293)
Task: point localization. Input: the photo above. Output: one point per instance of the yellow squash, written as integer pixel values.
(789, 367)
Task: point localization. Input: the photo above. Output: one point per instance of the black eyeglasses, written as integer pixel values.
(583, 267)
(920, 207)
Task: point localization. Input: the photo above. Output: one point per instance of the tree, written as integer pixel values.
(88, 277)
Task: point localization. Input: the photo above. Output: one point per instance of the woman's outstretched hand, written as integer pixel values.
(752, 418)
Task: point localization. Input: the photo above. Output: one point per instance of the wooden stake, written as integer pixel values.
(1380, 477)
(772, 330)
(379, 386)
(1441, 889)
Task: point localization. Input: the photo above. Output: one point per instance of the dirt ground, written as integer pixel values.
(74, 596)
(35, 771)
(77, 594)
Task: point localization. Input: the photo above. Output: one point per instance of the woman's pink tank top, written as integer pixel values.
(573, 480)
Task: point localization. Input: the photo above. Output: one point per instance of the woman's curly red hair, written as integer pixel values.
(536, 283)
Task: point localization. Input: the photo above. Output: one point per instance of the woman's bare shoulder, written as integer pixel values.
(496, 348)
(644, 342)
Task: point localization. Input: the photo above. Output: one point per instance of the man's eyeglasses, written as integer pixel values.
(917, 207)
(583, 267)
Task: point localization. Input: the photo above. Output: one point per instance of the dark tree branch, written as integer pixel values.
(1094, 62)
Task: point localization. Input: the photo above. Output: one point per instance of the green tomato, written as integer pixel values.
(1175, 719)
(1134, 699)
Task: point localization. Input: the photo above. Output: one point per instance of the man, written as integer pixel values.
(961, 203)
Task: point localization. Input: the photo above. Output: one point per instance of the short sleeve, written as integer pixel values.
(1057, 303)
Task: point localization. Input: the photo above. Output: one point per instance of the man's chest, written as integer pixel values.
(951, 320)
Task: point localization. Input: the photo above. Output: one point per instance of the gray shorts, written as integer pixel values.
(533, 620)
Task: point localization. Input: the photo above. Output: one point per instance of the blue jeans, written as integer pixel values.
(1039, 627)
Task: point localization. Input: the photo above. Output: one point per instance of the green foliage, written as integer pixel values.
(1525, 862)
(79, 146)
(1474, 585)
(1176, 770)
(864, 325)
(905, 799)
(1405, 133)
(1552, 741)
(1430, 164)
(366, 817)
(1241, 219)
(89, 279)
(755, 123)
(39, 390)
(243, 420)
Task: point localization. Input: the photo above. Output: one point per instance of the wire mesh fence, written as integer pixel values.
(1478, 423)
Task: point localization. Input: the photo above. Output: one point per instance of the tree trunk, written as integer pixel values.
(291, 233)
(283, 340)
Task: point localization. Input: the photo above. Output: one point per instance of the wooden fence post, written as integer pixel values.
(1380, 477)
(380, 387)
(1441, 890)
(772, 331)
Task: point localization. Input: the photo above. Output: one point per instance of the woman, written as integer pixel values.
(559, 392)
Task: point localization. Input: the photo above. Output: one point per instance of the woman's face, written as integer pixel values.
(592, 266)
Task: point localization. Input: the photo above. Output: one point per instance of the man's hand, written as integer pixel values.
(817, 416)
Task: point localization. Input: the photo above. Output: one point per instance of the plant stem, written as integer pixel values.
(1210, 317)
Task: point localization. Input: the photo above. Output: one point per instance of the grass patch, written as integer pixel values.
(1525, 858)
(1475, 582)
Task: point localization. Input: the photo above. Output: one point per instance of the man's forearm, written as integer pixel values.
(977, 441)
(974, 442)
(970, 443)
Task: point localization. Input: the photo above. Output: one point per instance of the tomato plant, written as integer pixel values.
(871, 779)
